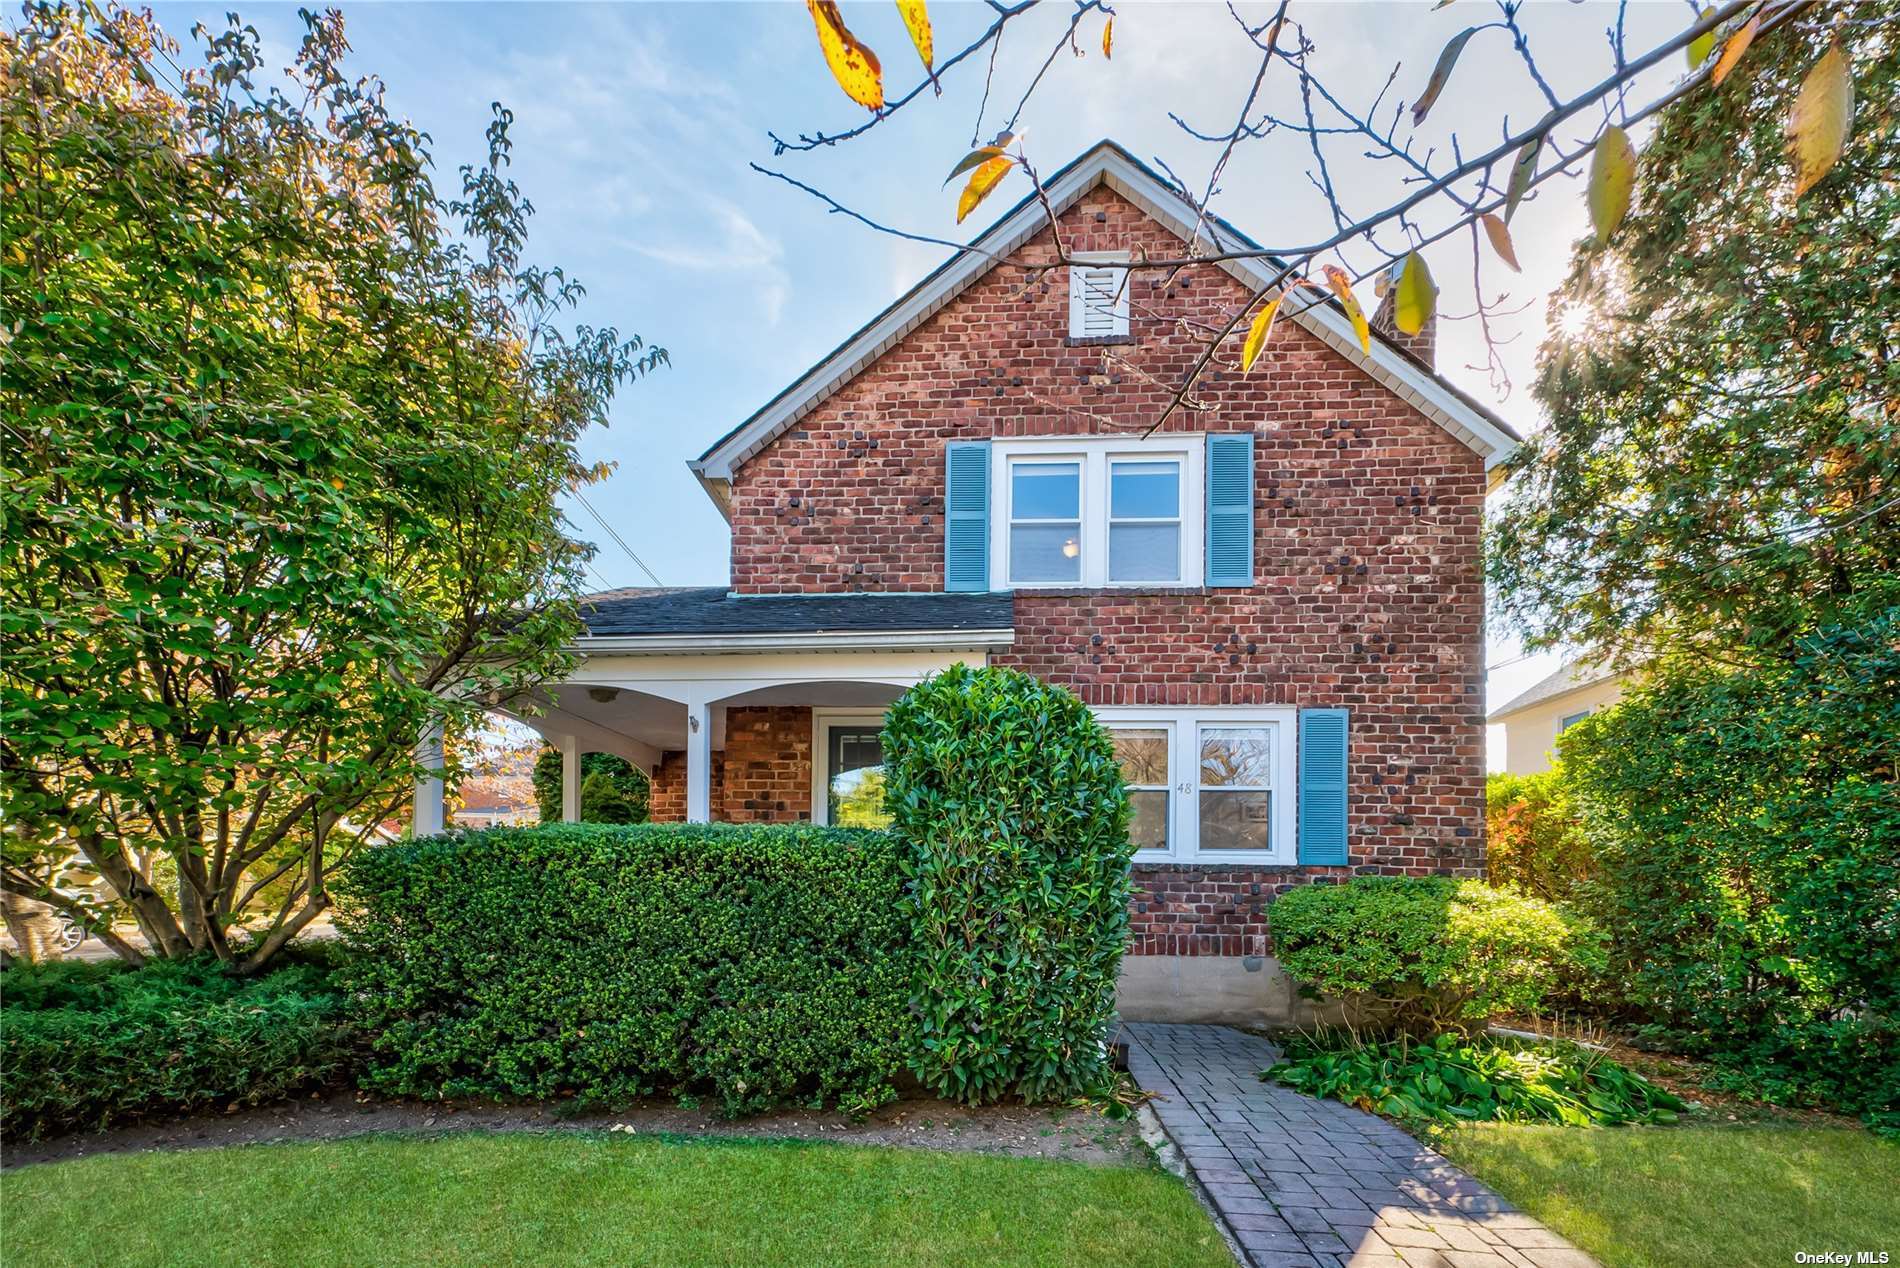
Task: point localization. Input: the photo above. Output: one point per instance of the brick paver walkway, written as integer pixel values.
(1305, 1183)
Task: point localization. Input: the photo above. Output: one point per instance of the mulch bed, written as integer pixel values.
(1079, 1134)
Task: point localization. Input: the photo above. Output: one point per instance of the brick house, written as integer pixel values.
(1274, 602)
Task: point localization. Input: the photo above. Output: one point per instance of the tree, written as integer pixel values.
(1722, 466)
(620, 789)
(285, 436)
(1718, 494)
(1444, 184)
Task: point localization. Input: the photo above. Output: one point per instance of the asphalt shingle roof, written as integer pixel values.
(715, 610)
(1567, 678)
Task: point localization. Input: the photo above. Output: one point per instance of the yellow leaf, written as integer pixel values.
(1702, 45)
(979, 156)
(1823, 115)
(1441, 73)
(1523, 168)
(1258, 332)
(1108, 39)
(1417, 297)
(852, 64)
(917, 20)
(1612, 180)
(1500, 235)
(1732, 51)
(982, 181)
(1342, 286)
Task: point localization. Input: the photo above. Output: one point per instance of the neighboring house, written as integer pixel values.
(1274, 603)
(1535, 717)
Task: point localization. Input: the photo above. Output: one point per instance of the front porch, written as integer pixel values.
(746, 709)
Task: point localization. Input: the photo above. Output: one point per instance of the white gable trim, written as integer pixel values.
(1105, 164)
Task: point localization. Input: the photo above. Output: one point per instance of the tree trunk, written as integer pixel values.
(33, 927)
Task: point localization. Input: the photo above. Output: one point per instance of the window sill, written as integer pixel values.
(1097, 341)
(1251, 862)
(1135, 590)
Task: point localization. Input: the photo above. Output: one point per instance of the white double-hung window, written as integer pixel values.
(1211, 785)
(1098, 511)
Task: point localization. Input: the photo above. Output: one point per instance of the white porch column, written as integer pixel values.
(570, 779)
(698, 761)
(430, 816)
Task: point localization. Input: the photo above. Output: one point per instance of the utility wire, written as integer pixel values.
(618, 539)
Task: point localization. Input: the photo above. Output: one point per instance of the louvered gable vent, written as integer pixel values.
(1098, 299)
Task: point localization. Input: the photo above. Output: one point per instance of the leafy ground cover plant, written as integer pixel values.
(1011, 811)
(89, 1045)
(1448, 1079)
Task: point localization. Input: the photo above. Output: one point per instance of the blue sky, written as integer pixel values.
(634, 125)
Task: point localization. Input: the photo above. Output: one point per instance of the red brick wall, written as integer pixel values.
(763, 775)
(767, 771)
(1369, 592)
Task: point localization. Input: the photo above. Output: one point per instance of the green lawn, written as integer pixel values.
(1675, 1197)
(569, 1197)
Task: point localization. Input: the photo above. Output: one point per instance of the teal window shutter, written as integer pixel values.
(1323, 787)
(1230, 510)
(966, 516)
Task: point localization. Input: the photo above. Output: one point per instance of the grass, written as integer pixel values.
(595, 1198)
(1650, 1197)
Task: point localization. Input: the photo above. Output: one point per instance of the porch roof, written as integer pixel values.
(714, 611)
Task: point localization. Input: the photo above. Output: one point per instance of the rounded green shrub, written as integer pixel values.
(1426, 954)
(1010, 808)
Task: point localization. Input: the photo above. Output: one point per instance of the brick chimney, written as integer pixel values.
(1423, 345)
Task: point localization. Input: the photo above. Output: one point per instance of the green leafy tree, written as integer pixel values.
(1722, 462)
(285, 431)
(1718, 493)
(620, 788)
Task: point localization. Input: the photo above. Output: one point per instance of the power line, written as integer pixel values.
(618, 539)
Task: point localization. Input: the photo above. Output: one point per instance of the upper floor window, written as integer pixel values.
(1098, 297)
(1570, 719)
(1098, 511)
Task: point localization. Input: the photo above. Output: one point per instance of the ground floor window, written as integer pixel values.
(1208, 785)
(848, 771)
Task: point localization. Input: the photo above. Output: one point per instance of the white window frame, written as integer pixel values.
(823, 723)
(1095, 453)
(1081, 465)
(1184, 771)
(1178, 519)
(1119, 314)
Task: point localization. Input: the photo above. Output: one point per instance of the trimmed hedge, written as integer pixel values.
(91, 1045)
(760, 964)
(1425, 954)
(1011, 806)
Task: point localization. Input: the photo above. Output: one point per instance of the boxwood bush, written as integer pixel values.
(91, 1045)
(1426, 954)
(1010, 807)
(760, 964)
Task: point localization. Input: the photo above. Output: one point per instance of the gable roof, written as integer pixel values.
(1105, 163)
(1569, 677)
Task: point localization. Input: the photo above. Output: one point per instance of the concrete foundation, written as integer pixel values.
(1248, 990)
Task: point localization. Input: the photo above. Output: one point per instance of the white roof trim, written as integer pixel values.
(1105, 164)
(838, 641)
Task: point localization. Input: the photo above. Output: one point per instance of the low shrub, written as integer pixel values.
(90, 1045)
(1426, 954)
(1011, 809)
(1533, 838)
(762, 964)
(1447, 1079)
